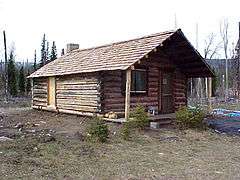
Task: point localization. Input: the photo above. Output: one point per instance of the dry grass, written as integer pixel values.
(161, 154)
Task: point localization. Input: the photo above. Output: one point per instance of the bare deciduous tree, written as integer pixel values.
(211, 48)
(225, 40)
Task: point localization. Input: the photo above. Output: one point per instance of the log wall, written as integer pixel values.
(180, 89)
(79, 92)
(102, 92)
(39, 93)
(114, 98)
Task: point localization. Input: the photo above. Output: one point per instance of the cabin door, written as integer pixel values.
(51, 91)
(167, 92)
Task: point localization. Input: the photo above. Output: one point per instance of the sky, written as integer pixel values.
(97, 22)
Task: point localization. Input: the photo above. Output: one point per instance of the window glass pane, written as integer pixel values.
(133, 81)
(140, 77)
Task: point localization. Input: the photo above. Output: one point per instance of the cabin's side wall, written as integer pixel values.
(78, 93)
(114, 98)
(39, 92)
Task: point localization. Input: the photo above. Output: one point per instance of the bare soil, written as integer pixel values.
(46, 145)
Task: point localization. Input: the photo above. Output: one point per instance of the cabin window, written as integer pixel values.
(138, 81)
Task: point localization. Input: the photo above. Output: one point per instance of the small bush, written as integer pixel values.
(98, 130)
(190, 118)
(139, 117)
(125, 131)
(138, 120)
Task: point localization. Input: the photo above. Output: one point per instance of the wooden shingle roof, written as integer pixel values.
(115, 56)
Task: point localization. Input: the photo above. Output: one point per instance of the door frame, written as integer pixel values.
(160, 88)
(51, 89)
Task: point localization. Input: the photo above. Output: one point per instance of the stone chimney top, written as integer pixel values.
(71, 47)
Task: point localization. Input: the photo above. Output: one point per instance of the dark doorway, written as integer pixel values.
(167, 92)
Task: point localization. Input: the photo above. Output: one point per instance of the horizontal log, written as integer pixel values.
(133, 100)
(112, 79)
(79, 76)
(44, 96)
(78, 92)
(76, 83)
(76, 112)
(154, 79)
(153, 89)
(180, 80)
(78, 86)
(113, 84)
(39, 91)
(78, 79)
(78, 108)
(40, 88)
(121, 106)
(78, 102)
(178, 86)
(112, 89)
(82, 113)
(113, 73)
(40, 99)
(79, 98)
(39, 103)
(112, 95)
(153, 84)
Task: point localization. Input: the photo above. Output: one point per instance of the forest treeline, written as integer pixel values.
(16, 72)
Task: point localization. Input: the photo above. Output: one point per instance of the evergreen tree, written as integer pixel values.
(22, 81)
(47, 52)
(12, 75)
(53, 54)
(43, 52)
(62, 53)
(35, 61)
(28, 85)
(28, 81)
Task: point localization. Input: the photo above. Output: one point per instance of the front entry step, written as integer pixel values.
(162, 120)
(160, 124)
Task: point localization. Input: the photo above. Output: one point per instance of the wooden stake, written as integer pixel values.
(32, 86)
(6, 66)
(127, 93)
(210, 92)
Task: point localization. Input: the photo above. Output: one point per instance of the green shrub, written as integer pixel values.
(190, 118)
(126, 130)
(139, 117)
(98, 130)
(138, 120)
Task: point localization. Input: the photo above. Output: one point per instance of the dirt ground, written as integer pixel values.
(46, 145)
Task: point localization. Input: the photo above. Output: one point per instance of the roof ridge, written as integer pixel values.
(120, 42)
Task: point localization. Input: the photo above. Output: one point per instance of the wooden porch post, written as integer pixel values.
(210, 92)
(32, 84)
(127, 93)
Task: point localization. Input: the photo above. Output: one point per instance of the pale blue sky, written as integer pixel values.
(94, 22)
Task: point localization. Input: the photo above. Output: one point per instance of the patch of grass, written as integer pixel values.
(160, 154)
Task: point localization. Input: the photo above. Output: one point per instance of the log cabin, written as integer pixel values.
(152, 71)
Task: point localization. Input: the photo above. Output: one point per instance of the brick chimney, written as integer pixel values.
(71, 47)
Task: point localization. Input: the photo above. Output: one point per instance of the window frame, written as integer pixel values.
(142, 69)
